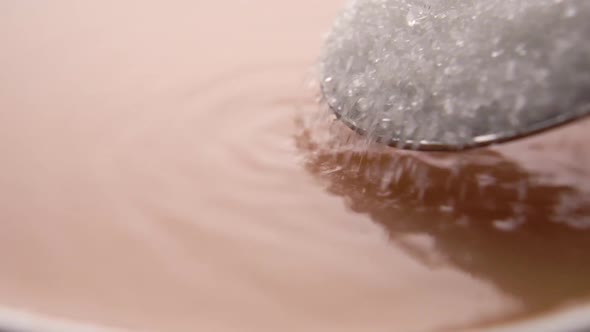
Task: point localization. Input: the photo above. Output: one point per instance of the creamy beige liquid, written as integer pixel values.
(163, 169)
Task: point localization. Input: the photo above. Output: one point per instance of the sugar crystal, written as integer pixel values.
(457, 71)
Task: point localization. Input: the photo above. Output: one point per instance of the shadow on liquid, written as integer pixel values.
(486, 215)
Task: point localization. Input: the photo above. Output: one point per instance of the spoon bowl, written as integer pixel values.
(457, 74)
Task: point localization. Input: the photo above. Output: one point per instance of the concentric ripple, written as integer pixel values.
(162, 171)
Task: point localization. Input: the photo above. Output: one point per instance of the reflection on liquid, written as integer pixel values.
(484, 214)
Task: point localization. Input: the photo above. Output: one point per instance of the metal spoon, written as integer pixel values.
(457, 74)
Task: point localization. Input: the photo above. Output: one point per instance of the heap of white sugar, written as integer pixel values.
(457, 71)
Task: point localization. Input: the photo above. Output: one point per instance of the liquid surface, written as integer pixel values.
(165, 169)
